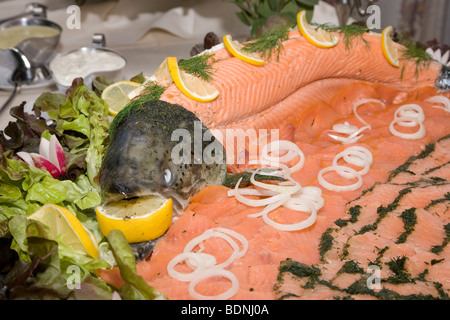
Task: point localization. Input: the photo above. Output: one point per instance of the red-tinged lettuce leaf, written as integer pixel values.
(32, 267)
(24, 133)
(93, 288)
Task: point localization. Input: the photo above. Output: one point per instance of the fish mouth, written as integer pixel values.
(141, 250)
(179, 202)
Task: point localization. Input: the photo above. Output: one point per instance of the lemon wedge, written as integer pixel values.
(235, 48)
(191, 86)
(318, 37)
(60, 220)
(116, 95)
(140, 219)
(387, 45)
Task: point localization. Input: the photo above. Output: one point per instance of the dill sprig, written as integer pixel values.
(199, 66)
(268, 43)
(350, 32)
(152, 91)
(418, 56)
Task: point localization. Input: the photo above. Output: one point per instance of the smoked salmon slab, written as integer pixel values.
(392, 242)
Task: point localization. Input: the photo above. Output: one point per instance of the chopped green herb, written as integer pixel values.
(438, 249)
(397, 266)
(409, 218)
(326, 242)
(354, 213)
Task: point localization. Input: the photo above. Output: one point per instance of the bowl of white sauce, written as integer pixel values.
(86, 63)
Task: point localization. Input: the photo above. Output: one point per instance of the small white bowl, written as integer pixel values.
(87, 63)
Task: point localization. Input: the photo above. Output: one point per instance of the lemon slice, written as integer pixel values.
(60, 220)
(192, 87)
(318, 37)
(387, 45)
(162, 73)
(235, 48)
(140, 219)
(116, 95)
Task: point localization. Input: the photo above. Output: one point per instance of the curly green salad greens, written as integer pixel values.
(33, 266)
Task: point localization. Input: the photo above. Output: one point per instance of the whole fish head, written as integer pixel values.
(159, 148)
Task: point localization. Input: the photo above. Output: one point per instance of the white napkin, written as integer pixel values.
(124, 22)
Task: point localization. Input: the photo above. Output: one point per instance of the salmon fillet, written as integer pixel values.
(302, 95)
(389, 176)
(392, 236)
(251, 95)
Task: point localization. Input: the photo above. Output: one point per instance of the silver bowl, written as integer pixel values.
(39, 50)
(32, 54)
(90, 74)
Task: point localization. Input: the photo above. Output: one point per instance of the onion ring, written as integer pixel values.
(215, 234)
(292, 149)
(364, 101)
(211, 272)
(294, 226)
(408, 111)
(440, 99)
(202, 264)
(356, 155)
(416, 135)
(339, 170)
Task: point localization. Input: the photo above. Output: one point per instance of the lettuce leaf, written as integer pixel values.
(32, 266)
(135, 287)
(82, 122)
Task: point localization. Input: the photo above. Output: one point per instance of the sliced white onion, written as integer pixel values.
(257, 202)
(202, 261)
(294, 226)
(284, 169)
(204, 265)
(353, 131)
(357, 150)
(276, 148)
(310, 194)
(356, 155)
(344, 172)
(440, 99)
(364, 101)
(409, 111)
(420, 133)
(253, 192)
(213, 272)
(345, 128)
(215, 234)
(234, 234)
(269, 208)
(290, 189)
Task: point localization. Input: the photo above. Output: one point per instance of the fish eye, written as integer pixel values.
(168, 177)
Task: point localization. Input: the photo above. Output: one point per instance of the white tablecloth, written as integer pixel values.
(144, 32)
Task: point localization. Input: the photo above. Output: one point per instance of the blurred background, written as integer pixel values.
(423, 19)
(145, 32)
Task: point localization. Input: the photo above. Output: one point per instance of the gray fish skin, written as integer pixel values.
(443, 81)
(139, 155)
